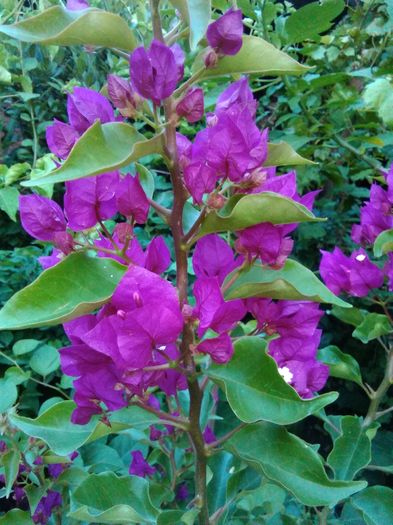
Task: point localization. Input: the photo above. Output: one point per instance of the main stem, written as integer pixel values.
(176, 225)
(378, 395)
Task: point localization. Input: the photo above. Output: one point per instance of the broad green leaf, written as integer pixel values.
(242, 211)
(290, 462)
(8, 394)
(102, 148)
(34, 494)
(146, 178)
(61, 27)
(293, 282)
(107, 498)
(17, 375)
(383, 243)
(282, 154)
(25, 346)
(75, 286)
(376, 505)
(16, 517)
(352, 449)
(63, 437)
(372, 326)
(196, 13)
(9, 201)
(255, 57)
(10, 461)
(353, 316)
(341, 365)
(312, 19)
(5, 76)
(256, 391)
(45, 360)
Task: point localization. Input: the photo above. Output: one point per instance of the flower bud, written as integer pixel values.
(211, 59)
(125, 99)
(225, 33)
(191, 106)
(187, 312)
(216, 201)
(254, 179)
(124, 232)
(64, 242)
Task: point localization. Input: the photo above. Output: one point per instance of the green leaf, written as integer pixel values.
(9, 201)
(196, 13)
(242, 211)
(61, 27)
(352, 316)
(146, 178)
(45, 360)
(16, 516)
(256, 391)
(25, 346)
(102, 148)
(75, 286)
(352, 449)
(372, 326)
(311, 20)
(107, 498)
(282, 154)
(383, 243)
(8, 394)
(290, 462)
(10, 461)
(376, 505)
(293, 282)
(5, 76)
(341, 365)
(255, 57)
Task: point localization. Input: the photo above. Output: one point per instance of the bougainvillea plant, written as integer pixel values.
(161, 334)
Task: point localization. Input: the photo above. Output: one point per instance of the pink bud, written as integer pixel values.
(124, 231)
(191, 106)
(216, 201)
(123, 96)
(211, 59)
(64, 242)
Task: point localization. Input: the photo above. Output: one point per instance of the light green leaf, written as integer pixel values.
(372, 327)
(75, 286)
(353, 316)
(59, 26)
(255, 57)
(290, 462)
(312, 19)
(146, 178)
(256, 391)
(383, 243)
(293, 282)
(352, 449)
(5, 76)
(16, 516)
(15, 172)
(282, 154)
(8, 394)
(25, 346)
(45, 360)
(9, 201)
(10, 461)
(242, 211)
(196, 13)
(341, 365)
(102, 148)
(376, 505)
(107, 498)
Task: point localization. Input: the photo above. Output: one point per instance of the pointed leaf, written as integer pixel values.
(10, 461)
(352, 449)
(61, 27)
(255, 57)
(290, 462)
(75, 286)
(383, 243)
(341, 365)
(256, 391)
(372, 327)
(102, 148)
(9, 201)
(282, 154)
(376, 505)
(196, 13)
(107, 498)
(242, 211)
(16, 516)
(293, 282)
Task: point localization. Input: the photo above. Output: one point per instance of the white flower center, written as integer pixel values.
(360, 257)
(286, 374)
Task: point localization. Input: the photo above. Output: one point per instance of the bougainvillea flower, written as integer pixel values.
(238, 93)
(139, 466)
(158, 257)
(77, 5)
(46, 506)
(85, 106)
(134, 252)
(182, 492)
(300, 348)
(265, 241)
(213, 257)
(225, 33)
(208, 435)
(191, 106)
(180, 58)
(123, 96)
(41, 217)
(60, 138)
(388, 269)
(154, 72)
(355, 275)
(90, 200)
(131, 199)
(200, 178)
(79, 359)
(307, 377)
(47, 261)
(219, 348)
(183, 149)
(171, 380)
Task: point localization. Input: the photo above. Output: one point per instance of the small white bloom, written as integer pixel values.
(286, 374)
(360, 257)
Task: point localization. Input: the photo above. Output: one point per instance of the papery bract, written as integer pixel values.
(191, 106)
(41, 217)
(225, 34)
(238, 93)
(46, 506)
(60, 138)
(158, 257)
(131, 199)
(213, 257)
(85, 106)
(139, 466)
(219, 348)
(123, 96)
(76, 5)
(178, 53)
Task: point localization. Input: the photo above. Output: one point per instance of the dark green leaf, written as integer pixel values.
(376, 505)
(383, 243)
(290, 462)
(293, 282)
(340, 364)
(372, 327)
(10, 461)
(352, 316)
(242, 211)
(59, 26)
(75, 286)
(256, 391)
(8, 394)
(107, 498)
(16, 517)
(352, 449)
(102, 148)
(9, 201)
